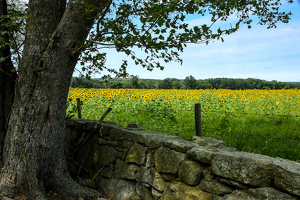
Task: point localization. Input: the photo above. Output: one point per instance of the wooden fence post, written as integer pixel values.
(79, 108)
(198, 119)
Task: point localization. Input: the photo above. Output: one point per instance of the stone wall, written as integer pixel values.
(130, 163)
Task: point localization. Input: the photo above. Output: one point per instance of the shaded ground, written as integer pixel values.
(56, 196)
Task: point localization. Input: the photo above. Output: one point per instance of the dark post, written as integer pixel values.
(79, 108)
(198, 119)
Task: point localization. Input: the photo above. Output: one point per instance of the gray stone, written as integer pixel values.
(169, 177)
(135, 136)
(211, 142)
(267, 193)
(287, 175)
(115, 143)
(127, 144)
(204, 154)
(89, 125)
(150, 138)
(168, 161)
(118, 188)
(178, 190)
(70, 122)
(208, 173)
(102, 141)
(138, 188)
(191, 172)
(132, 125)
(107, 172)
(215, 187)
(118, 133)
(234, 183)
(144, 175)
(121, 155)
(248, 168)
(156, 140)
(125, 170)
(143, 191)
(154, 158)
(136, 154)
(81, 139)
(155, 193)
(106, 127)
(82, 124)
(207, 141)
(150, 158)
(119, 148)
(151, 177)
(178, 144)
(159, 182)
(107, 155)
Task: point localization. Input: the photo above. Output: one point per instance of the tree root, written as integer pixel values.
(60, 183)
(65, 184)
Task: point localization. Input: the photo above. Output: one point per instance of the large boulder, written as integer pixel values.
(248, 168)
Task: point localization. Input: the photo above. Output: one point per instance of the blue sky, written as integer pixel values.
(268, 54)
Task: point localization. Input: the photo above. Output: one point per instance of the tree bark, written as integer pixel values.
(34, 158)
(7, 82)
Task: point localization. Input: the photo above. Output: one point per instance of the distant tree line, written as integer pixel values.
(188, 83)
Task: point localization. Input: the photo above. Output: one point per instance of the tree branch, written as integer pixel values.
(103, 14)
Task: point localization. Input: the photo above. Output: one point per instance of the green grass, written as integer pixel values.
(268, 130)
(275, 136)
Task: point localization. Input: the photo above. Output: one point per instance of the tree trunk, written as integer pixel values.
(34, 158)
(7, 80)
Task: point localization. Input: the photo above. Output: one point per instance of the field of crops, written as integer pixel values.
(259, 121)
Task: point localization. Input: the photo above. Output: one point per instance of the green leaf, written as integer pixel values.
(160, 22)
(143, 20)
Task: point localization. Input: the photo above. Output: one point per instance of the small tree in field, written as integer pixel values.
(40, 46)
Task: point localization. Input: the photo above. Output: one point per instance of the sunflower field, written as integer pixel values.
(258, 121)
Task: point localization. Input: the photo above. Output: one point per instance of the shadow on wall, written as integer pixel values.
(130, 163)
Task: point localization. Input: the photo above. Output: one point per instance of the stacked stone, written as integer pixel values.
(138, 164)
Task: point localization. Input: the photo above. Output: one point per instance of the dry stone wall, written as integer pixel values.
(130, 163)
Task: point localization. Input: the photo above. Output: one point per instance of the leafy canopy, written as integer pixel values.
(157, 27)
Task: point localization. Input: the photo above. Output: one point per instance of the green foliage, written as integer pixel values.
(14, 28)
(160, 110)
(190, 82)
(71, 107)
(158, 28)
(135, 82)
(249, 123)
(173, 83)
